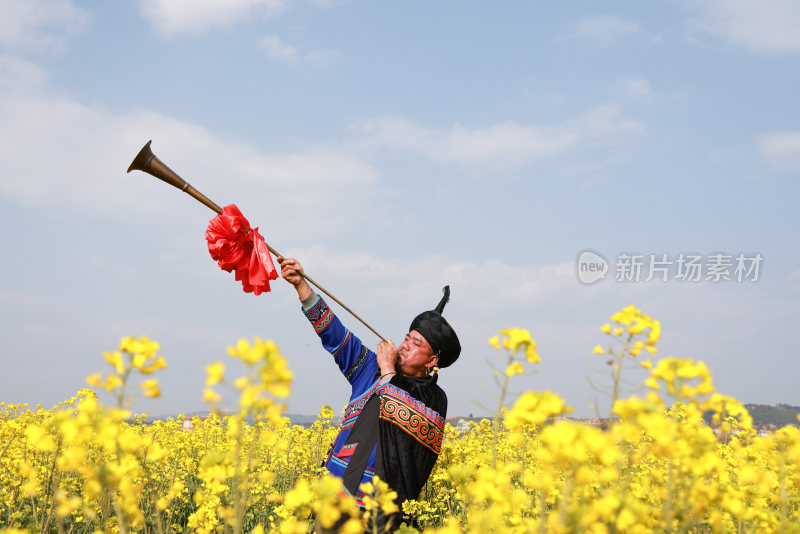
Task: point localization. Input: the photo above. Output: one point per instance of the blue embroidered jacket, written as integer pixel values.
(413, 411)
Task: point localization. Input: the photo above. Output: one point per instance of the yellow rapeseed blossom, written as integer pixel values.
(515, 339)
(151, 388)
(115, 359)
(534, 409)
(656, 466)
(155, 365)
(210, 396)
(515, 369)
(215, 373)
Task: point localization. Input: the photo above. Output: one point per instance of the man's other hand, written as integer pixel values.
(387, 356)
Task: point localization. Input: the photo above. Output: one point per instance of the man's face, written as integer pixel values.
(415, 355)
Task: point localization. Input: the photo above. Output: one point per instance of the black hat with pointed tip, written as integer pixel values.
(438, 332)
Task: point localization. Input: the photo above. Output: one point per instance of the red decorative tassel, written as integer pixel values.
(237, 247)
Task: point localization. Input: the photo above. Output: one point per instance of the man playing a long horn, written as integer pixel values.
(393, 425)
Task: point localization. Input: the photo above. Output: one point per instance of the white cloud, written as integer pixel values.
(277, 49)
(604, 124)
(55, 151)
(39, 23)
(637, 88)
(20, 75)
(781, 150)
(493, 283)
(606, 28)
(507, 142)
(329, 4)
(504, 145)
(171, 17)
(767, 26)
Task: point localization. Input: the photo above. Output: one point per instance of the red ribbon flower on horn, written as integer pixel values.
(237, 247)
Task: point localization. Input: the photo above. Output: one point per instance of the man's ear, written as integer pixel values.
(434, 361)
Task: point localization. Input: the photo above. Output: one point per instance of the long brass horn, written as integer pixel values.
(147, 162)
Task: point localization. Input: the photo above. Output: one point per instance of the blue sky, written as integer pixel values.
(396, 148)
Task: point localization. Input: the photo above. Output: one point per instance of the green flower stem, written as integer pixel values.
(617, 375)
(498, 413)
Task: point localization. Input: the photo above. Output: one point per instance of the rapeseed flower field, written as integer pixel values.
(657, 466)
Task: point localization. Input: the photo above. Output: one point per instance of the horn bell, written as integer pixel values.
(142, 160)
(147, 162)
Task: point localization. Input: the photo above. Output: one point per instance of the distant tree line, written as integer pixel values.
(778, 415)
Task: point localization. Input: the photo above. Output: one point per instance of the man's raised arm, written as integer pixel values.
(357, 363)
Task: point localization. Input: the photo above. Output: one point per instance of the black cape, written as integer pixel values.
(407, 420)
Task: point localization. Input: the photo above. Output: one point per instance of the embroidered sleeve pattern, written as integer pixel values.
(356, 362)
(353, 409)
(320, 316)
(359, 362)
(416, 419)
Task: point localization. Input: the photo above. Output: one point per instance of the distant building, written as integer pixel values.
(187, 422)
(462, 424)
